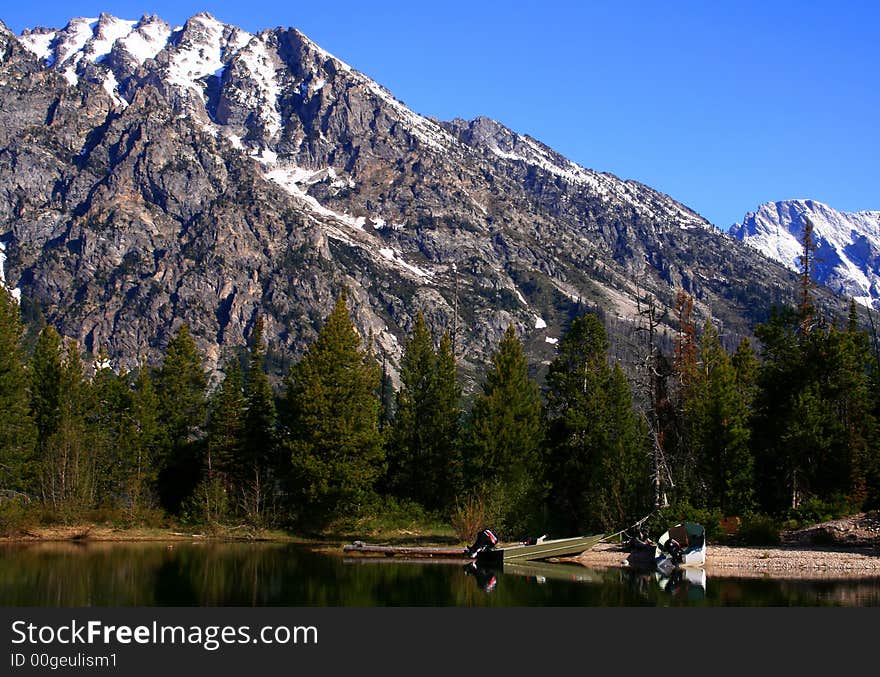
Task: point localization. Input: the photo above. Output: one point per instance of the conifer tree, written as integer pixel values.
(261, 466)
(113, 432)
(807, 261)
(722, 433)
(685, 358)
(781, 376)
(425, 462)
(226, 424)
(745, 363)
(17, 431)
(70, 466)
(46, 367)
(626, 490)
(143, 474)
(223, 445)
(505, 456)
(446, 464)
(333, 435)
(590, 432)
(686, 400)
(386, 399)
(850, 387)
(181, 384)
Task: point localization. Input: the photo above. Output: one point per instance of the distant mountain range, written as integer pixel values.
(848, 243)
(152, 175)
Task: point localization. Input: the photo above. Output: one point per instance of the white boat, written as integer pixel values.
(684, 545)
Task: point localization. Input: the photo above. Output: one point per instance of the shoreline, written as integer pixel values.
(787, 560)
(108, 534)
(778, 561)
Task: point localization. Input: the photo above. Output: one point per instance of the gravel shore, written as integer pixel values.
(775, 561)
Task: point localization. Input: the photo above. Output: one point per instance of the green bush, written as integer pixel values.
(815, 510)
(387, 517)
(759, 530)
(15, 517)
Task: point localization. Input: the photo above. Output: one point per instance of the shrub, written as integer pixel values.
(759, 530)
(15, 517)
(469, 516)
(815, 510)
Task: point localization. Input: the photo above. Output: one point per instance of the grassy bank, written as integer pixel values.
(397, 528)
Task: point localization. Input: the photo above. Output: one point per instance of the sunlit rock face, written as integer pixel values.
(153, 175)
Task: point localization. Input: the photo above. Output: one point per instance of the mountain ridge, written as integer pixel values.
(847, 243)
(233, 174)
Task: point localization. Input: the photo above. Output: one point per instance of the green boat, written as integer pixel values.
(560, 547)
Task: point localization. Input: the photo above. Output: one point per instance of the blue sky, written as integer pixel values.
(723, 106)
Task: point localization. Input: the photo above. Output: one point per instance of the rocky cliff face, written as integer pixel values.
(847, 243)
(152, 175)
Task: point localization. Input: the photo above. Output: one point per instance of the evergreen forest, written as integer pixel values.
(784, 427)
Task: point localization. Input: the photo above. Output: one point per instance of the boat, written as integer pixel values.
(560, 547)
(683, 545)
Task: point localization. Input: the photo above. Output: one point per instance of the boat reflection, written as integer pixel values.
(683, 583)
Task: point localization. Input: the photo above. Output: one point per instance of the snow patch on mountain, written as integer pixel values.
(16, 292)
(108, 30)
(149, 37)
(260, 65)
(198, 54)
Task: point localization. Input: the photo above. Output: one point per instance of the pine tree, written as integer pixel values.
(505, 456)
(782, 375)
(425, 464)
(333, 436)
(745, 363)
(181, 384)
(685, 358)
(722, 434)
(113, 432)
(17, 431)
(850, 388)
(687, 399)
(143, 474)
(446, 463)
(807, 261)
(590, 432)
(386, 398)
(223, 445)
(261, 466)
(627, 465)
(813, 418)
(69, 466)
(46, 390)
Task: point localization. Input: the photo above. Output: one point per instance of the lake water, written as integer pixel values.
(263, 574)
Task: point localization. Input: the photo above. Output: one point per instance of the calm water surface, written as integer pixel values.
(212, 574)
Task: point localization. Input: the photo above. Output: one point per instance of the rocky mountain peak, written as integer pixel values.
(848, 243)
(209, 175)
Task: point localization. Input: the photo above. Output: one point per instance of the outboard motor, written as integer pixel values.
(486, 540)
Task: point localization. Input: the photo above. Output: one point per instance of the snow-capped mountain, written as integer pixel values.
(154, 174)
(847, 243)
(240, 85)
